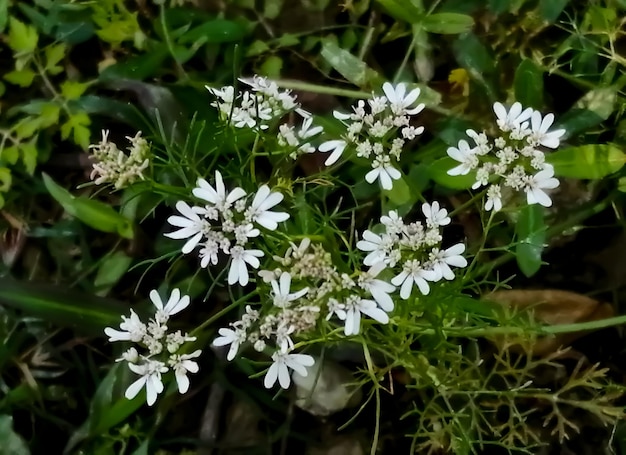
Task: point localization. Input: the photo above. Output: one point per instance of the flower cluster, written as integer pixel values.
(415, 247)
(378, 131)
(226, 223)
(319, 294)
(163, 349)
(114, 166)
(297, 141)
(257, 107)
(513, 161)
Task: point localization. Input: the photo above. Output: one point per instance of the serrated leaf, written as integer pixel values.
(28, 152)
(96, 214)
(528, 84)
(447, 23)
(591, 161)
(531, 236)
(22, 38)
(72, 90)
(349, 66)
(23, 77)
(77, 125)
(54, 54)
(438, 172)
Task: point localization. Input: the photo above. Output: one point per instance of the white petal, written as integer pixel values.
(135, 387)
(271, 376)
(183, 382)
(283, 376)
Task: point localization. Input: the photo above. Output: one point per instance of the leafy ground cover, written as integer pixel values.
(301, 226)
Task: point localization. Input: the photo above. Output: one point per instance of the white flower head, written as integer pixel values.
(192, 226)
(442, 260)
(354, 307)
(413, 273)
(378, 289)
(259, 210)
(539, 131)
(282, 297)
(150, 372)
(283, 362)
(234, 338)
(175, 304)
(182, 364)
(238, 271)
(400, 101)
(465, 155)
(494, 199)
(217, 196)
(336, 146)
(513, 118)
(536, 184)
(132, 329)
(384, 172)
(376, 245)
(435, 215)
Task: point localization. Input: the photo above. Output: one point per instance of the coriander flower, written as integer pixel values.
(539, 131)
(281, 296)
(337, 146)
(132, 329)
(400, 101)
(464, 155)
(354, 306)
(494, 198)
(535, 185)
(442, 260)
(435, 216)
(192, 227)
(512, 119)
(413, 273)
(376, 245)
(283, 361)
(150, 372)
(182, 364)
(259, 211)
(238, 271)
(384, 172)
(175, 304)
(378, 289)
(217, 196)
(231, 337)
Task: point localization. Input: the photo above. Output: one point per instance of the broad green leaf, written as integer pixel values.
(551, 9)
(22, 38)
(402, 10)
(10, 154)
(23, 77)
(77, 126)
(599, 100)
(49, 114)
(447, 23)
(531, 236)
(12, 443)
(139, 67)
(4, 14)
(60, 305)
(214, 32)
(29, 154)
(349, 66)
(529, 84)
(111, 270)
(126, 113)
(473, 55)
(591, 161)
(72, 90)
(5, 179)
(438, 172)
(400, 193)
(54, 54)
(272, 67)
(96, 214)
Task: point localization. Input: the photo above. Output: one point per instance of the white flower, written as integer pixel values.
(400, 101)
(337, 146)
(442, 260)
(494, 199)
(234, 337)
(259, 211)
(335, 307)
(540, 134)
(283, 361)
(535, 185)
(217, 196)
(435, 216)
(354, 306)
(238, 271)
(379, 289)
(282, 298)
(182, 364)
(150, 372)
(192, 227)
(376, 245)
(413, 272)
(384, 172)
(393, 223)
(306, 131)
(464, 155)
(512, 119)
(130, 356)
(175, 304)
(132, 329)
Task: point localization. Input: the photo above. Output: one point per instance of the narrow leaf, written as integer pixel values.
(529, 84)
(531, 235)
(448, 23)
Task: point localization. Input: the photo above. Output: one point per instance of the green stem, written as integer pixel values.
(315, 88)
(220, 313)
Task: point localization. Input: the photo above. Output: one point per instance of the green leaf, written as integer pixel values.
(529, 84)
(438, 172)
(448, 23)
(96, 214)
(215, 31)
(12, 443)
(23, 77)
(531, 236)
(77, 126)
(72, 90)
(29, 154)
(139, 67)
(591, 161)
(402, 10)
(550, 10)
(111, 270)
(601, 101)
(54, 54)
(60, 305)
(473, 55)
(4, 14)
(22, 38)
(349, 66)
(126, 113)
(400, 193)
(5, 179)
